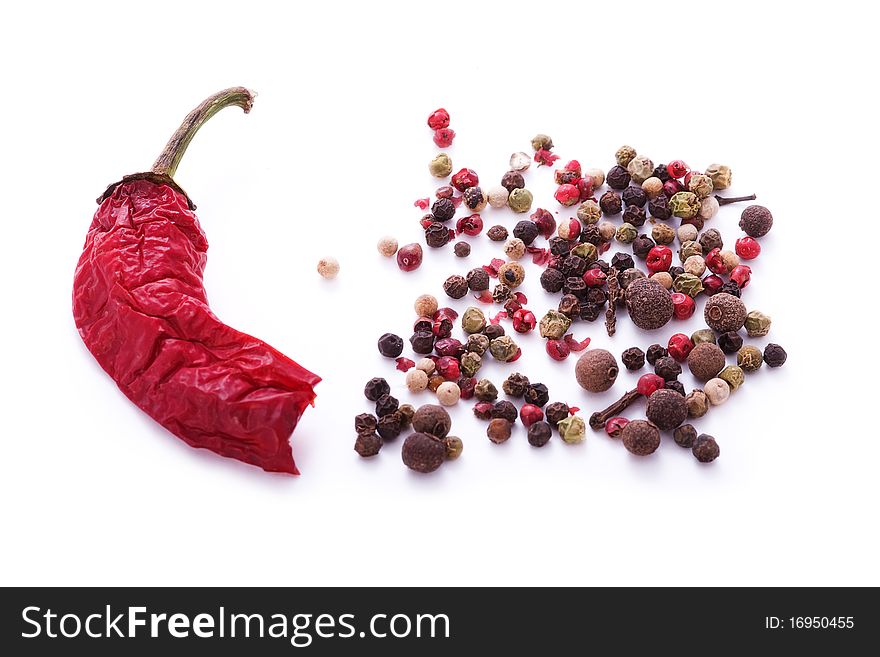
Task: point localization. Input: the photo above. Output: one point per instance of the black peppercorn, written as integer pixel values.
(610, 203)
(386, 404)
(705, 448)
(642, 245)
(512, 180)
(504, 410)
(443, 209)
(526, 230)
(552, 280)
(659, 207)
(477, 279)
(661, 172)
(390, 345)
(675, 385)
(462, 249)
(497, 233)
(730, 342)
(376, 387)
(655, 352)
(685, 435)
(515, 384)
(559, 246)
(668, 368)
(602, 265)
(633, 359)
(589, 312)
(501, 293)
(622, 261)
(575, 285)
(774, 355)
(574, 266)
(556, 412)
(634, 195)
(437, 235)
(590, 235)
(390, 425)
(367, 444)
(455, 286)
(596, 295)
(539, 434)
(493, 331)
(710, 239)
(422, 342)
(676, 271)
(537, 394)
(617, 177)
(365, 423)
(634, 215)
(423, 453)
(730, 287)
(569, 305)
(666, 408)
(423, 324)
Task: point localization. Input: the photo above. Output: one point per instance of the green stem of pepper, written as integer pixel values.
(167, 162)
(734, 199)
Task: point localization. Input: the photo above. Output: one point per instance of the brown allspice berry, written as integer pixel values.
(423, 452)
(432, 419)
(724, 312)
(640, 437)
(756, 221)
(649, 304)
(705, 361)
(499, 430)
(666, 408)
(596, 370)
(685, 435)
(367, 444)
(705, 448)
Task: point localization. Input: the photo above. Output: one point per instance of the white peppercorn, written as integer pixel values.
(687, 233)
(664, 278)
(695, 265)
(597, 176)
(426, 365)
(426, 305)
(498, 197)
(448, 393)
(652, 187)
(606, 230)
(709, 207)
(416, 380)
(387, 246)
(328, 267)
(640, 168)
(520, 161)
(717, 391)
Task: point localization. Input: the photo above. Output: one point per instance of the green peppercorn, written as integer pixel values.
(688, 249)
(470, 363)
(749, 358)
(701, 185)
(440, 166)
(720, 174)
(587, 251)
(688, 284)
(703, 335)
(454, 447)
(733, 375)
(572, 429)
(485, 390)
(684, 204)
(520, 200)
(589, 212)
(503, 348)
(540, 142)
(473, 320)
(477, 343)
(554, 325)
(626, 233)
(624, 155)
(757, 324)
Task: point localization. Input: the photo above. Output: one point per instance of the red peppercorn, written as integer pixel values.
(595, 278)
(448, 368)
(585, 187)
(426, 221)
(529, 414)
(483, 410)
(524, 320)
(659, 259)
(676, 169)
(544, 221)
(558, 349)
(471, 225)
(679, 347)
(570, 229)
(465, 178)
(672, 187)
(615, 425)
(545, 158)
(748, 248)
(445, 313)
(741, 275)
(715, 262)
(649, 383)
(683, 306)
(712, 284)
(443, 137)
(574, 166)
(439, 118)
(409, 257)
(567, 194)
(467, 385)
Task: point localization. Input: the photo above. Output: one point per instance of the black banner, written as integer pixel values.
(279, 621)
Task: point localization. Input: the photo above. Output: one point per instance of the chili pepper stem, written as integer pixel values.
(169, 159)
(734, 199)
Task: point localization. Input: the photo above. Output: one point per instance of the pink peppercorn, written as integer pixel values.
(574, 166)
(649, 383)
(680, 346)
(712, 284)
(659, 259)
(443, 137)
(448, 368)
(615, 425)
(748, 248)
(544, 221)
(529, 414)
(467, 385)
(569, 229)
(585, 188)
(545, 158)
(595, 277)
(524, 320)
(558, 349)
(741, 275)
(439, 118)
(567, 194)
(715, 262)
(683, 306)
(676, 169)
(471, 225)
(465, 178)
(409, 257)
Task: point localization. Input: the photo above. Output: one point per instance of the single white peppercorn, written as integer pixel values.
(607, 230)
(416, 380)
(387, 246)
(448, 393)
(328, 267)
(730, 259)
(695, 265)
(709, 207)
(640, 168)
(520, 161)
(498, 197)
(426, 305)
(664, 278)
(426, 365)
(717, 391)
(514, 248)
(652, 186)
(687, 233)
(597, 176)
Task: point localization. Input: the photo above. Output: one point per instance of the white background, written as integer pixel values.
(331, 158)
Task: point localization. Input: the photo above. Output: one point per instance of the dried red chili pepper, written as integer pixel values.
(140, 306)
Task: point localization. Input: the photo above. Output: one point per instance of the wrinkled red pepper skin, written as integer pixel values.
(140, 306)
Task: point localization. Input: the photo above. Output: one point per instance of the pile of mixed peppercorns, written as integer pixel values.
(590, 287)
